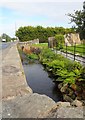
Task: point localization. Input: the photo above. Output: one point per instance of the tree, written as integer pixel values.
(5, 36)
(13, 38)
(79, 19)
(29, 33)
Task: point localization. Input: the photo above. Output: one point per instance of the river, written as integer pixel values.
(40, 82)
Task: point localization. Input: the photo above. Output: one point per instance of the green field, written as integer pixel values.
(41, 45)
(79, 49)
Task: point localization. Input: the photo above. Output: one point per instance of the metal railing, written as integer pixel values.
(75, 52)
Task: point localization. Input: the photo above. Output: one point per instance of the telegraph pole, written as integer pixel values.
(15, 30)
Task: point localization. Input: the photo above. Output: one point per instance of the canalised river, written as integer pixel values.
(37, 78)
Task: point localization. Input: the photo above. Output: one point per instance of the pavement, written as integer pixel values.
(5, 47)
(13, 78)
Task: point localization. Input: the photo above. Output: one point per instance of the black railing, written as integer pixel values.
(74, 52)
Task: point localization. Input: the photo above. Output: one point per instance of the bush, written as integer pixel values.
(83, 73)
(32, 56)
(59, 41)
(63, 69)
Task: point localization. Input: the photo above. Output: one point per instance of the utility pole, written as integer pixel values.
(15, 31)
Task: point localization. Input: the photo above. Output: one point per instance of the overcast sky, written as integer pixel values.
(16, 13)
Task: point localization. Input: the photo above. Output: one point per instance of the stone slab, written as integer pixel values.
(28, 106)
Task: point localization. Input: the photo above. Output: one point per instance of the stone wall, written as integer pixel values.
(71, 39)
(51, 42)
(26, 44)
(35, 41)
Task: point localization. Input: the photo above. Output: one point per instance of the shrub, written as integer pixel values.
(59, 41)
(83, 73)
(63, 69)
(32, 56)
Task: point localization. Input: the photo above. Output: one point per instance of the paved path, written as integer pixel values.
(13, 81)
(5, 48)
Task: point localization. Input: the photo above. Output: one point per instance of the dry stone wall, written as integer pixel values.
(35, 41)
(51, 42)
(71, 39)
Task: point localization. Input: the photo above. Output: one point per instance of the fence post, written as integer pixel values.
(74, 51)
(66, 50)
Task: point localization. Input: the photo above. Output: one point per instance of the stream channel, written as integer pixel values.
(39, 80)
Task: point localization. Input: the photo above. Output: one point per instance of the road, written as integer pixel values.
(5, 47)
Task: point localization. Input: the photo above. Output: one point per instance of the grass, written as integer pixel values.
(79, 49)
(41, 45)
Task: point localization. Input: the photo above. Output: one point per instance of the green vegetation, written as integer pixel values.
(78, 18)
(41, 45)
(32, 56)
(63, 69)
(79, 49)
(5, 36)
(29, 33)
(69, 75)
(59, 41)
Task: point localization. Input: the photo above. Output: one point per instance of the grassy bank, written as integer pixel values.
(41, 45)
(71, 74)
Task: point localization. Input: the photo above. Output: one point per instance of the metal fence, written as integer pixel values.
(75, 52)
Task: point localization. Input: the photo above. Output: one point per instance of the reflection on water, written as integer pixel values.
(38, 80)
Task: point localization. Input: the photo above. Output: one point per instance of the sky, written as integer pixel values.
(52, 13)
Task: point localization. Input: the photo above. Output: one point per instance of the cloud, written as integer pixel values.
(45, 9)
(38, 7)
(25, 12)
(41, 1)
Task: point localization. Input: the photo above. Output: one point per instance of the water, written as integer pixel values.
(39, 80)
